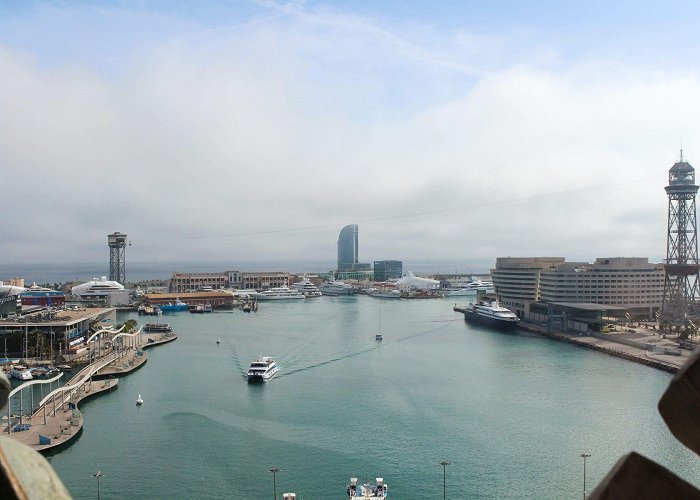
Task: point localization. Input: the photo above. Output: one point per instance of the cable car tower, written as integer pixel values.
(117, 260)
(681, 268)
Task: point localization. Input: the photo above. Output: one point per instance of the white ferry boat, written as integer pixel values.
(262, 369)
(337, 288)
(488, 312)
(307, 288)
(281, 293)
(367, 491)
(20, 373)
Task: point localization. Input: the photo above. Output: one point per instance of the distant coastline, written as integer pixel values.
(143, 271)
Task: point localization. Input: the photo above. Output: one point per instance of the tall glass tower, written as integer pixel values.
(347, 247)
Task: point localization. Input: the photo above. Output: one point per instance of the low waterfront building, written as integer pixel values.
(39, 296)
(387, 269)
(191, 282)
(217, 298)
(263, 281)
(67, 330)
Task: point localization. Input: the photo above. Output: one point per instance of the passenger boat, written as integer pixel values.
(307, 288)
(20, 373)
(281, 293)
(490, 313)
(157, 328)
(262, 369)
(178, 305)
(337, 288)
(384, 294)
(367, 491)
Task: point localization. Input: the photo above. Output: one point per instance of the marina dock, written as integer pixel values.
(57, 421)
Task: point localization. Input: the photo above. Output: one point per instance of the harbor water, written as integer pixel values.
(511, 412)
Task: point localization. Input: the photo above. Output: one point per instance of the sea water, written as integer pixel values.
(511, 412)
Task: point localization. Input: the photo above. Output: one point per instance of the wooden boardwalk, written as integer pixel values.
(58, 421)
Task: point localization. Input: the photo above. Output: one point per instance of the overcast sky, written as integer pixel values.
(243, 130)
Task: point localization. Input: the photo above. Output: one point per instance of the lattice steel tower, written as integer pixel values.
(117, 260)
(681, 268)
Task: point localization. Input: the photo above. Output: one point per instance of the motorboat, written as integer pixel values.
(367, 491)
(307, 288)
(139, 400)
(379, 337)
(384, 294)
(262, 369)
(337, 288)
(176, 306)
(281, 293)
(20, 373)
(489, 312)
(157, 328)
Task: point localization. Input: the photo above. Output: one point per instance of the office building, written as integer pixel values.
(387, 269)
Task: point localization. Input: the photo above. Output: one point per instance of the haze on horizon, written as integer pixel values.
(255, 130)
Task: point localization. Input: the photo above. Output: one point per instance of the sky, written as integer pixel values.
(230, 131)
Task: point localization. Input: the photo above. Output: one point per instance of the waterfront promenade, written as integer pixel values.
(56, 420)
(640, 344)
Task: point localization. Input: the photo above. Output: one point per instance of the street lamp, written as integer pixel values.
(98, 475)
(584, 456)
(274, 471)
(444, 472)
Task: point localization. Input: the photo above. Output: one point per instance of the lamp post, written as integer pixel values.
(584, 456)
(98, 475)
(444, 464)
(274, 471)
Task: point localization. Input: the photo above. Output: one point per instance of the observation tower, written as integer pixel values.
(117, 260)
(681, 267)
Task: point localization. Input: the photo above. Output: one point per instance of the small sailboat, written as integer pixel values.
(218, 340)
(139, 400)
(379, 337)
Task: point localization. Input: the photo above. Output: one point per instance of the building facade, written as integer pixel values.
(632, 283)
(263, 281)
(516, 280)
(191, 282)
(348, 247)
(387, 269)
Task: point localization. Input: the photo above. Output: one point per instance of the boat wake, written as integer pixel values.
(236, 360)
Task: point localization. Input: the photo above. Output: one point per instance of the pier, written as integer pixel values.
(56, 421)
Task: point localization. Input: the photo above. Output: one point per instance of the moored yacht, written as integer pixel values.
(368, 491)
(280, 293)
(262, 369)
(307, 288)
(20, 373)
(337, 288)
(384, 294)
(489, 312)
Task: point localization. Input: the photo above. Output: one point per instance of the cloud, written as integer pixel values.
(262, 141)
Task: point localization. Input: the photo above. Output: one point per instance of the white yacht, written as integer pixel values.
(20, 373)
(262, 369)
(367, 491)
(490, 313)
(337, 288)
(280, 293)
(306, 287)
